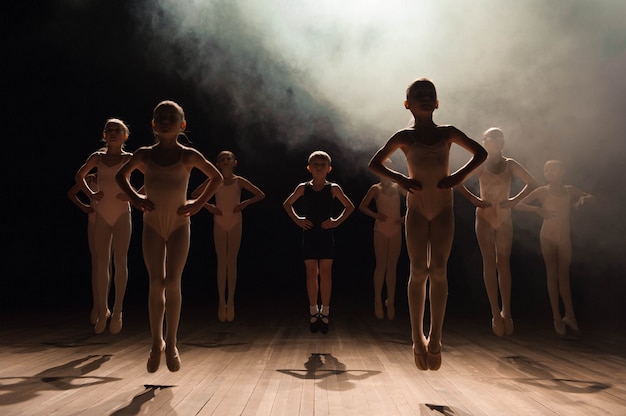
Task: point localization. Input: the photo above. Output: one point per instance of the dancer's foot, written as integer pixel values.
(497, 325)
(433, 358)
(508, 324)
(230, 312)
(101, 322)
(378, 310)
(391, 310)
(324, 324)
(314, 323)
(154, 360)
(221, 312)
(571, 324)
(115, 326)
(172, 359)
(420, 356)
(559, 327)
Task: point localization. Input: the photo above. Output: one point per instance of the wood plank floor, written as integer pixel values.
(270, 364)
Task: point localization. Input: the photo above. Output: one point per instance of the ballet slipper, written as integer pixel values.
(378, 310)
(433, 359)
(172, 359)
(115, 326)
(571, 325)
(230, 313)
(508, 324)
(101, 322)
(420, 358)
(154, 360)
(497, 325)
(391, 310)
(221, 312)
(559, 327)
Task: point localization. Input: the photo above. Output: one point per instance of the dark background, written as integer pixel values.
(68, 67)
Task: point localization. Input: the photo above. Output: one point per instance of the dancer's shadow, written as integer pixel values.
(71, 375)
(140, 402)
(322, 365)
(541, 376)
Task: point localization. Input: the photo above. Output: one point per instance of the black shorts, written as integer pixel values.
(318, 243)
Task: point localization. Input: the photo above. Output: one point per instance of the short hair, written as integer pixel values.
(320, 154)
(494, 133)
(420, 82)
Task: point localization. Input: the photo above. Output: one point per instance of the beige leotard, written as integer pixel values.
(226, 199)
(110, 207)
(429, 164)
(390, 206)
(557, 228)
(166, 187)
(495, 188)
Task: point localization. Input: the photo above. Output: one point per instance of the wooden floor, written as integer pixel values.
(266, 363)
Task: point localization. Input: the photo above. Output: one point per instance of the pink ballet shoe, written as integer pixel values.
(115, 326)
(378, 310)
(230, 313)
(559, 327)
(497, 325)
(433, 359)
(508, 324)
(221, 312)
(154, 360)
(101, 322)
(391, 310)
(172, 359)
(420, 358)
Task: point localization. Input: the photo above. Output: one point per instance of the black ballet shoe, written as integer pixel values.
(314, 323)
(324, 324)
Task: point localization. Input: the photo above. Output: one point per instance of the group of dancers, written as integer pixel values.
(428, 223)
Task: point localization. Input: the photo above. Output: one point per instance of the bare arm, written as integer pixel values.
(519, 171)
(580, 197)
(83, 172)
(72, 194)
(376, 165)
(257, 194)
(371, 194)
(136, 162)
(348, 208)
(300, 221)
(479, 154)
(195, 159)
(469, 195)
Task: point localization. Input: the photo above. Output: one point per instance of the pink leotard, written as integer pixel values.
(557, 228)
(110, 207)
(390, 206)
(226, 199)
(166, 187)
(495, 188)
(429, 164)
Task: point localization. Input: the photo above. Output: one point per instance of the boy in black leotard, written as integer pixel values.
(318, 242)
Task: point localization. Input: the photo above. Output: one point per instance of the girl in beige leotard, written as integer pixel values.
(166, 166)
(227, 229)
(387, 239)
(494, 227)
(87, 208)
(112, 225)
(429, 221)
(555, 202)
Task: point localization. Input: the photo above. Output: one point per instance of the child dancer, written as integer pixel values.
(494, 227)
(318, 242)
(227, 228)
(429, 218)
(112, 226)
(555, 202)
(166, 167)
(387, 239)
